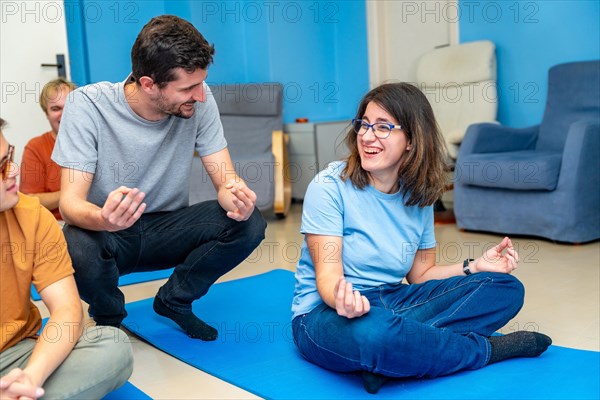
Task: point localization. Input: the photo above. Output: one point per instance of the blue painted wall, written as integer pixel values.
(316, 49)
(531, 37)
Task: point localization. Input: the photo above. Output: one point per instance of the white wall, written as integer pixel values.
(401, 31)
(31, 33)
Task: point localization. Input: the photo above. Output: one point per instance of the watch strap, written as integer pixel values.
(466, 268)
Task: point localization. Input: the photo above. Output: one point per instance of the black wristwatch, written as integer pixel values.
(466, 268)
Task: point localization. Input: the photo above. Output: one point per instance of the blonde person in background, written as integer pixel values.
(40, 176)
(67, 360)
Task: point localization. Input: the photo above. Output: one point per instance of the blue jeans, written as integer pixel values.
(429, 329)
(200, 241)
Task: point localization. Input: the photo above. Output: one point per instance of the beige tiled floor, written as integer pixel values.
(562, 300)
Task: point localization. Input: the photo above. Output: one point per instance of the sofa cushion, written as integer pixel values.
(253, 99)
(256, 171)
(249, 136)
(467, 62)
(518, 170)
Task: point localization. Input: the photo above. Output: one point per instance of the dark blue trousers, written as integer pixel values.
(200, 241)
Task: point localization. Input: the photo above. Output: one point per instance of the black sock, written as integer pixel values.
(518, 344)
(192, 325)
(113, 324)
(372, 382)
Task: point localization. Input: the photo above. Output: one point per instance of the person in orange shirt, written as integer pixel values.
(40, 176)
(66, 360)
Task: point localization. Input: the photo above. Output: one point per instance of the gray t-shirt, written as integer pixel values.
(100, 134)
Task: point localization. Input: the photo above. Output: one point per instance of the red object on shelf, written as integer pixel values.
(301, 120)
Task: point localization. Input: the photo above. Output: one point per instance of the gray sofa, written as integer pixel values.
(252, 120)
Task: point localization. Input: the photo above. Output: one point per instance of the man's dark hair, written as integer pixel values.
(165, 43)
(2, 124)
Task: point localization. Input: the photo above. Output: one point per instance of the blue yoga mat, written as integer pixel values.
(255, 351)
(127, 392)
(130, 279)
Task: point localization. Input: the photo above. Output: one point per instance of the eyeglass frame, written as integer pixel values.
(5, 166)
(372, 127)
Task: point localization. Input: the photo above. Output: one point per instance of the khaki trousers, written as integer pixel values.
(101, 362)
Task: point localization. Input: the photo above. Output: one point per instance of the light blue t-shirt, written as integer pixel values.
(100, 134)
(380, 235)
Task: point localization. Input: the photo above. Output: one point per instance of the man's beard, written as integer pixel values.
(174, 110)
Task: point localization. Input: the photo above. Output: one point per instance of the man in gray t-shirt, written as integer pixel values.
(126, 152)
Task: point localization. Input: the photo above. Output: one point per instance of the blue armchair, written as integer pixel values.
(542, 180)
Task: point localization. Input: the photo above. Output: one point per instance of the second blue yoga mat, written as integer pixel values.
(137, 277)
(127, 392)
(255, 352)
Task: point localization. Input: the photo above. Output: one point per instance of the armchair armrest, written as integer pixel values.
(581, 158)
(283, 185)
(579, 176)
(494, 138)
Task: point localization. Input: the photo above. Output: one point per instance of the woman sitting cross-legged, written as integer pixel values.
(368, 225)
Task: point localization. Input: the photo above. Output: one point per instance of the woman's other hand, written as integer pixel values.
(349, 303)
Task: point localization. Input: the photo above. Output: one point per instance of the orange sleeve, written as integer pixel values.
(52, 262)
(32, 170)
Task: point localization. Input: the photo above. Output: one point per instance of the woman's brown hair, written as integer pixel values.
(422, 175)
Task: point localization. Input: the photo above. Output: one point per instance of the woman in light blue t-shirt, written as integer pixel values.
(368, 224)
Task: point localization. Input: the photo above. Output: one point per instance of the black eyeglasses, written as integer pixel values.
(381, 130)
(5, 166)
